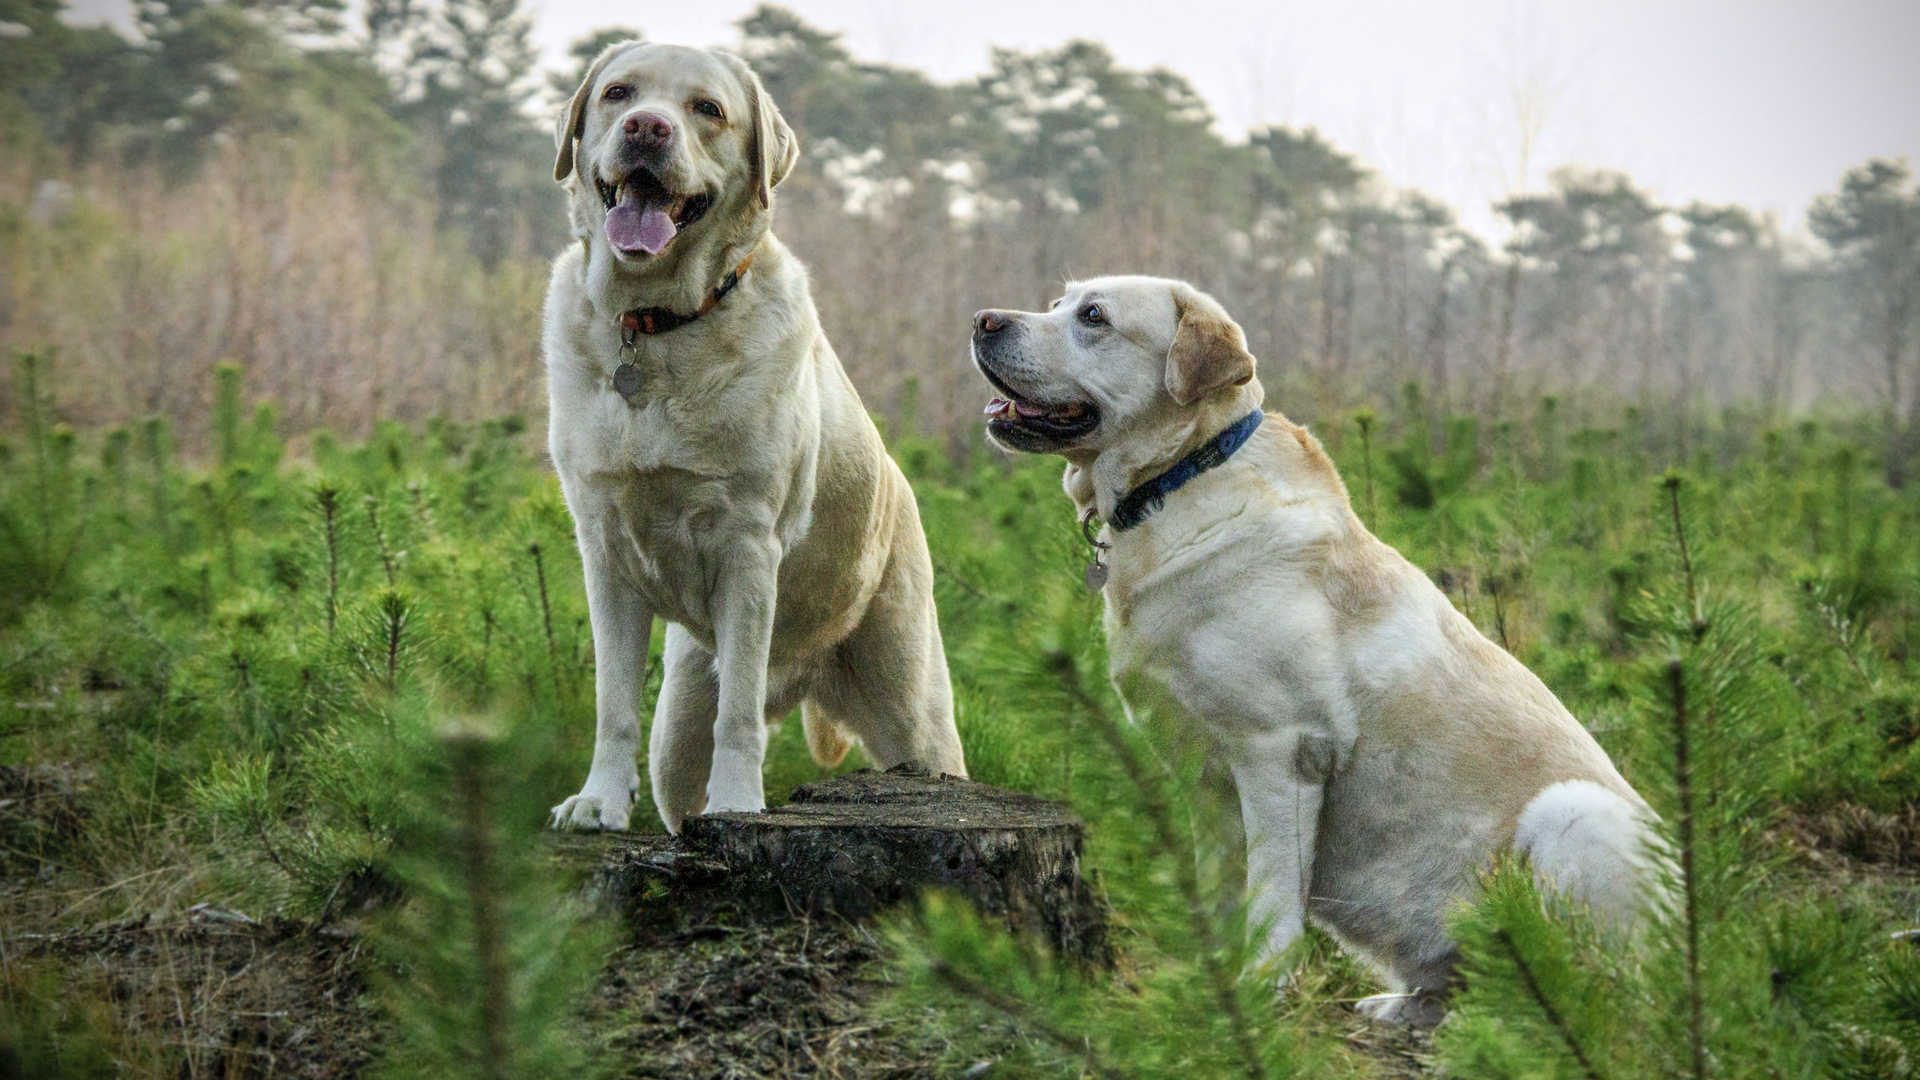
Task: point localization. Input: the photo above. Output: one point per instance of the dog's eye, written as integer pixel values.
(1092, 315)
(709, 108)
(1055, 304)
(616, 92)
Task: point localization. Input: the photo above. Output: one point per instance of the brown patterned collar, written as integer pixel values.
(655, 320)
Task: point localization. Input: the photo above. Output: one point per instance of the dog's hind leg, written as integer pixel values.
(1583, 840)
(888, 682)
(680, 749)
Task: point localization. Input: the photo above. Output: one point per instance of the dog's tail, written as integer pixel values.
(1598, 848)
(825, 741)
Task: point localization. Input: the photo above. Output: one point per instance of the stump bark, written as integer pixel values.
(856, 844)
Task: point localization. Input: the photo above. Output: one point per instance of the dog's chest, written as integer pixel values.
(676, 414)
(605, 435)
(1152, 658)
(662, 530)
(655, 497)
(1216, 634)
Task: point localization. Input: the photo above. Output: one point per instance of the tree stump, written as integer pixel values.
(856, 844)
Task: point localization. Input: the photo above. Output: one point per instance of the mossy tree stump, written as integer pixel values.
(855, 844)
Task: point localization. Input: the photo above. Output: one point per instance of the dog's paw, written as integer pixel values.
(1409, 1010)
(598, 806)
(745, 804)
(735, 786)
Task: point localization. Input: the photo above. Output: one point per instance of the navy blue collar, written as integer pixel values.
(1139, 504)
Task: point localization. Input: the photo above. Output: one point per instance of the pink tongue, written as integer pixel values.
(1025, 409)
(639, 228)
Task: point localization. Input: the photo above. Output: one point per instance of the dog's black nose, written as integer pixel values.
(648, 128)
(989, 321)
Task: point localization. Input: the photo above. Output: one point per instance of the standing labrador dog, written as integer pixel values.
(721, 470)
(1383, 750)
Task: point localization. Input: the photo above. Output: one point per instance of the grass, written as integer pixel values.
(228, 682)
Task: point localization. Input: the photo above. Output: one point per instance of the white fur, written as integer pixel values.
(1592, 845)
(743, 495)
(1384, 751)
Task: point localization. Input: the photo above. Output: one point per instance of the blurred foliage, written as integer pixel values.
(336, 137)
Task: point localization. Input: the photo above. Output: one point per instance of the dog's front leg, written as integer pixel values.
(743, 635)
(622, 632)
(1280, 811)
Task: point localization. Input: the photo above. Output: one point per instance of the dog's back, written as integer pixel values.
(1462, 753)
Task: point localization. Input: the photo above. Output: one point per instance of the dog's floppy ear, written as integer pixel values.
(570, 124)
(1209, 349)
(772, 146)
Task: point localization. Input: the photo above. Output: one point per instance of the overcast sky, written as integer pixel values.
(1761, 102)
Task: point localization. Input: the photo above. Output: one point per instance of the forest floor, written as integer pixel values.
(697, 988)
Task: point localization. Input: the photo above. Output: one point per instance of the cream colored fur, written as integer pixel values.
(1384, 751)
(743, 496)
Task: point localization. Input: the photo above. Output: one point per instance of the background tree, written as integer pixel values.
(1596, 241)
(1297, 183)
(581, 53)
(53, 105)
(465, 90)
(1873, 225)
(1733, 291)
(304, 189)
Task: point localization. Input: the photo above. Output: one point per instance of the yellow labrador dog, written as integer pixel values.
(1383, 750)
(721, 470)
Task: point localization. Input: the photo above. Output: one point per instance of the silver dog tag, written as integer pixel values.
(626, 380)
(1096, 576)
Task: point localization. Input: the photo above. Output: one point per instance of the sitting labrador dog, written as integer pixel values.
(720, 468)
(1385, 753)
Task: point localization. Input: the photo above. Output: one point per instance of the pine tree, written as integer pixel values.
(1735, 978)
(1873, 223)
(467, 71)
(485, 962)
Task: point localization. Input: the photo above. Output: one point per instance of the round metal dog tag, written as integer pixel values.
(1096, 576)
(626, 380)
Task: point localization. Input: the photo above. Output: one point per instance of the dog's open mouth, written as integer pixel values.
(643, 216)
(1014, 414)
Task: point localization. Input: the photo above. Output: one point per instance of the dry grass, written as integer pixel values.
(173, 991)
(339, 297)
(330, 283)
(1847, 832)
(209, 995)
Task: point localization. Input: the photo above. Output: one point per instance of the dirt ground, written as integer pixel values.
(755, 1000)
(218, 994)
(703, 986)
(700, 989)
